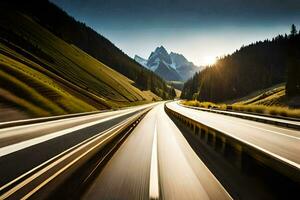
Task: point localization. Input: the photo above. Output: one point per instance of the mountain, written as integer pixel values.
(183, 67)
(42, 74)
(141, 60)
(160, 55)
(59, 23)
(251, 68)
(171, 67)
(166, 72)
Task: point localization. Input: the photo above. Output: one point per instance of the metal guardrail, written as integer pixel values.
(238, 149)
(47, 177)
(279, 121)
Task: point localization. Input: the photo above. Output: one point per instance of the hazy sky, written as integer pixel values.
(199, 29)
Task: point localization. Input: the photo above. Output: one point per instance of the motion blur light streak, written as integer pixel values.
(149, 99)
(154, 185)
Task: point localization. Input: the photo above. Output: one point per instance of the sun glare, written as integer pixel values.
(209, 60)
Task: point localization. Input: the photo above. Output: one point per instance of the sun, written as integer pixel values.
(209, 60)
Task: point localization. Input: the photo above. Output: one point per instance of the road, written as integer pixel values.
(25, 147)
(283, 121)
(156, 162)
(281, 143)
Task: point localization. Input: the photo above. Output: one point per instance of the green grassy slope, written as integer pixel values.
(255, 96)
(74, 32)
(272, 101)
(274, 96)
(254, 67)
(44, 75)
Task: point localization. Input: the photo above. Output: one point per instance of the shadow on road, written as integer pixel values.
(249, 180)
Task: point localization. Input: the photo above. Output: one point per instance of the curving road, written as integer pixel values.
(156, 162)
(25, 147)
(281, 143)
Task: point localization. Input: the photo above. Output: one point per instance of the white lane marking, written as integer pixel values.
(13, 128)
(54, 122)
(182, 144)
(285, 135)
(53, 158)
(33, 120)
(292, 163)
(22, 145)
(241, 114)
(154, 185)
(4, 130)
(243, 122)
(27, 129)
(80, 147)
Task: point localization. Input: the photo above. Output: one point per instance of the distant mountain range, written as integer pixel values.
(171, 67)
(53, 67)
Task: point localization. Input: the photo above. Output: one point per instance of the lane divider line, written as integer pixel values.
(44, 120)
(245, 123)
(22, 145)
(274, 155)
(64, 168)
(85, 144)
(154, 183)
(53, 159)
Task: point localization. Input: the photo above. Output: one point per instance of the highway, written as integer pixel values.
(281, 143)
(27, 147)
(155, 160)
(277, 120)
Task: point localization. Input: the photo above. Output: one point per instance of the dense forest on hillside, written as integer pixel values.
(42, 75)
(253, 67)
(77, 33)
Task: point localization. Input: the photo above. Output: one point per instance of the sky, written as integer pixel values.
(201, 30)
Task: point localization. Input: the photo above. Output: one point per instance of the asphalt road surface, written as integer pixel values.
(281, 143)
(156, 162)
(23, 148)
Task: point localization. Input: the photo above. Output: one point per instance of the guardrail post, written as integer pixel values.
(233, 152)
(242, 156)
(214, 139)
(239, 155)
(196, 130)
(210, 138)
(206, 135)
(202, 133)
(223, 147)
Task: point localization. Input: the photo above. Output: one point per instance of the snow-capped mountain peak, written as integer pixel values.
(171, 67)
(141, 60)
(160, 54)
(161, 50)
(178, 60)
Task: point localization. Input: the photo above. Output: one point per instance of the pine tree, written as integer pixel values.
(293, 79)
(293, 30)
(254, 67)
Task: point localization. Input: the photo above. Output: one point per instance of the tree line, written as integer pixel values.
(72, 31)
(254, 67)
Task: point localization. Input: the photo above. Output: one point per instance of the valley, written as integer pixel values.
(152, 99)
